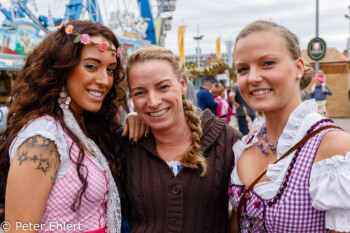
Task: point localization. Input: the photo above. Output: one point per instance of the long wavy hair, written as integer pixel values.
(193, 157)
(36, 91)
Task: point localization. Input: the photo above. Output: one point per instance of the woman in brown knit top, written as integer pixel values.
(177, 177)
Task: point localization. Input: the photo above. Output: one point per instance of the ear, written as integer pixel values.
(183, 85)
(300, 66)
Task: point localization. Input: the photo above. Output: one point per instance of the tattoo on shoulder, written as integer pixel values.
(42, 152)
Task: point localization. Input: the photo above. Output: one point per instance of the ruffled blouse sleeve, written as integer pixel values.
(48, 128)
(330, 191)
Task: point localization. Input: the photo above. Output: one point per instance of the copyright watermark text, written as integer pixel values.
(51, 226)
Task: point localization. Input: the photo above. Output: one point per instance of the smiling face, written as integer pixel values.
(157, 93)
(90, 81)
(266, 73)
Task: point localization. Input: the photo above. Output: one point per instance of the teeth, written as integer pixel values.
(154, 114)
(95, 93)
(260, 92)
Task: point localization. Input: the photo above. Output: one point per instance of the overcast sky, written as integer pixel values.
(228, 17)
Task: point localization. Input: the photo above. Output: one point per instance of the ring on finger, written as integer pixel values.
(137, 122)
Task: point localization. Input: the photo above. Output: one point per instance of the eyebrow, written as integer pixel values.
(157, 84)
(98, 61)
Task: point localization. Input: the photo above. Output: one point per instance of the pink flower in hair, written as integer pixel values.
(119, 51)
(61, 25)
(69, 29)
(103, 46)
(85, 39)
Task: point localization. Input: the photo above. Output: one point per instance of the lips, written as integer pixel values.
(159, 113)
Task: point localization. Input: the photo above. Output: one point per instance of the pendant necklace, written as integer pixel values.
(267, 145)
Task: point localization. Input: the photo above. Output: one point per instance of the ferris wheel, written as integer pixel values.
(136, 19)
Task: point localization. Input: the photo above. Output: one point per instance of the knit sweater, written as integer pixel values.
(161, 202)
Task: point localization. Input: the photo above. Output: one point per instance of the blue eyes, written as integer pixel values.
(164, 87)
(269, 63)
(265, 64)
(241, 70)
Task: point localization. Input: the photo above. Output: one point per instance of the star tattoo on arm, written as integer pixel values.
(40, 152)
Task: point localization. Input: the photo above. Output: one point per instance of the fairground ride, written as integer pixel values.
(25, 23)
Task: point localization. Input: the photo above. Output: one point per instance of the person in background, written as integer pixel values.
(248, 119)
(238, 102)
(60, 152)
(3, 114)
(293, 173)
(177, 177)
(205, 99)
(319, 92)
(214, 91)
(224, 110)
(191, 93)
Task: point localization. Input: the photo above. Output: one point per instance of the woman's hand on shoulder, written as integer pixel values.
(135, 127)
(333, 143)
(31, 177)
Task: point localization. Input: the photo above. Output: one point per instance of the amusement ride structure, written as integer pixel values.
(135, 22)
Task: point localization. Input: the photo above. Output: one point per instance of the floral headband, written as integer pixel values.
(85, 39)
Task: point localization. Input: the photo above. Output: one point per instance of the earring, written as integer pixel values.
(300, 76)
(64, 99)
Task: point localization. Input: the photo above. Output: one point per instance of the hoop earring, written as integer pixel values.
(64, 99)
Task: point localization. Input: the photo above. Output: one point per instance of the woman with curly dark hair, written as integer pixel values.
(62, 134)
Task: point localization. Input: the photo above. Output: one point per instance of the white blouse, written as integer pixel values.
(329, 178)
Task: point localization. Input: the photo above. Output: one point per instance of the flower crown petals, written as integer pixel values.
(85, 39)
(69, 29)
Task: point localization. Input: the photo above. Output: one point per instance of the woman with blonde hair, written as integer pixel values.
(293, 173)
(177, 176)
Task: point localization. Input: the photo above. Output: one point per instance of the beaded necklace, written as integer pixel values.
(268, 145)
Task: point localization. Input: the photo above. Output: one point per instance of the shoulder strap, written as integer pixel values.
(300, 143)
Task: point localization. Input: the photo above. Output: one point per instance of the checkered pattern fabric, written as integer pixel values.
(290, 210)
(91, 214)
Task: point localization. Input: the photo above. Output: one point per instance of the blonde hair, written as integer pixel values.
(291, 40)
(221, 89)
(193, 155)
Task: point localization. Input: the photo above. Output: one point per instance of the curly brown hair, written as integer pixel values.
(36, 91)
(193, 157)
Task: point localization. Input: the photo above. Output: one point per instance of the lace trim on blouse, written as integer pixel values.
(329, 178)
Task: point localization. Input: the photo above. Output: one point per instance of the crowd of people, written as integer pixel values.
(68, 157)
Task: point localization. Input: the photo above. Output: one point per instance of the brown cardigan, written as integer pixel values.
(159, 202)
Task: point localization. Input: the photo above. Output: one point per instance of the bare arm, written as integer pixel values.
(31, 177)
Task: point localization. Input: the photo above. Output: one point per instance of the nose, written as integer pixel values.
(104, 79)
(154, 100)
(255, 75)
